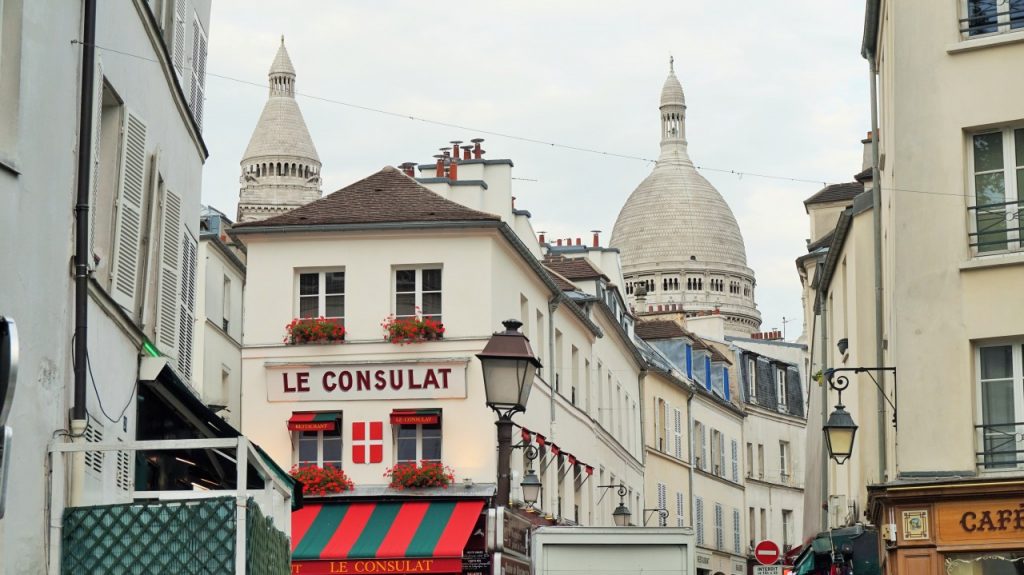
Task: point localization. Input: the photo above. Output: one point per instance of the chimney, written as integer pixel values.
(559, 242)
(541, 236)
(467, 153)
(455, 148)
(579, 241)
(597, 238)
(409, 169)
(440, 165)
(477, 150)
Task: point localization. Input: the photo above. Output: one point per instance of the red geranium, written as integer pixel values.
(314, 329)
(321, 480)
(412, 329)
(427, 474)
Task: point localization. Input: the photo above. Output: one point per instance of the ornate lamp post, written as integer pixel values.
(840, 429)
(509, 366)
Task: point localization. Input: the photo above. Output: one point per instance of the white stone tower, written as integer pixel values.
(280, 168)
(678, 238)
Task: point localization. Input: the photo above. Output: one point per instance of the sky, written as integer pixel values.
(772, 87)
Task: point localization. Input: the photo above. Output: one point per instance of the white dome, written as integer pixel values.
(281, 131)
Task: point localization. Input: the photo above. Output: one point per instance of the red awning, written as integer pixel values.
(415, 416)
(314, 421)
(384, 537)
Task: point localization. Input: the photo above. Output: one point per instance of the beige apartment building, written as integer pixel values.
(942, 479)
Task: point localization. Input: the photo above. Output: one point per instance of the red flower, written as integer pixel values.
(321, 480)
(307, 330)
(426, 474)
(411, 329)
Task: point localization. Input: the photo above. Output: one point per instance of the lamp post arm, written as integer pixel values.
(869, 371)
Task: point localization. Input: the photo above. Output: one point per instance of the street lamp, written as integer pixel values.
(509, 366)
(840, 429)
(622, 513)
(531, 488)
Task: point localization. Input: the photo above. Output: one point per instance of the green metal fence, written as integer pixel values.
(194, 537)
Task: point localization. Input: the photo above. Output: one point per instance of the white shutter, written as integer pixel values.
(700, 521)
(703, 449)
(662, 504)
(736, 530)
(721, 455)
(197, 89)
(668, 428)
(735, 462)
(188, 302)
(680, 520)
(167, 310)
(719, 536)
(94, 179)
(678, 434)
(124, 270)
(178, 38)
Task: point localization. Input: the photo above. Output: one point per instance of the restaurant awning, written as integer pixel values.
(388, 530)
(314, 421)
(415, 416)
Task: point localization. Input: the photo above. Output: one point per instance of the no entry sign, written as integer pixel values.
(766, 552)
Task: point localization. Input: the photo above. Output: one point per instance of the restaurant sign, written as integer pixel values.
(980, 520)
(367, 381)
(380, 566)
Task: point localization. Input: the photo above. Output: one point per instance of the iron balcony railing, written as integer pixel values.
(1000, 445)
(997, 227)
(992, 17)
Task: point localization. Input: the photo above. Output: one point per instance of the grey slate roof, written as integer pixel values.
(835, 193)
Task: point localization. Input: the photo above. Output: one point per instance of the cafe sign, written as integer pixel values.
(980, 521)
(366, 381)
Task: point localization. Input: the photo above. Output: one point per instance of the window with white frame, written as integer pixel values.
(751, 379)
(418, 292)
(1001, 403)
(985, 17)
(784, 464)
(780, 386)
(787, 528)
(417, 443)
(318, 448)
(322, 294)
(997, 165)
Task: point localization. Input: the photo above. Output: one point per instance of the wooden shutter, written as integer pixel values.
(188, 302)
(178, 38)
(127, 238)
(197, 89)
(167, 307)
(678, 433)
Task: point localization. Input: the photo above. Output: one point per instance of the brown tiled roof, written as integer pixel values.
(560, 280)
(836, 193)
(660, 329)
(387, 196)
(573, 268)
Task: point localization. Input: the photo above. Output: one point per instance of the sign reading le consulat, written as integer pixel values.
(421, 380)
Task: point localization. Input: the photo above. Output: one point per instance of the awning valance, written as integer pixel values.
(384, 530)
(314, 421)
(415, 416)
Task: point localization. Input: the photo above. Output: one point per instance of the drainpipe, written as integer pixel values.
(823, 312)
(689, 447)
(552, 370)
(876, 196)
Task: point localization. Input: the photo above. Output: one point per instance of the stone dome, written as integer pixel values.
(281, 130)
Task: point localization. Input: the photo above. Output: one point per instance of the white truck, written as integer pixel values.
(613, 551)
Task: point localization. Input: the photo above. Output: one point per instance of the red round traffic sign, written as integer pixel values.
(766, 552)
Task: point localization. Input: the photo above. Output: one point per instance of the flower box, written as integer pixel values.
(412, 329)
(321, 480)
(426, 474)
(314, 330)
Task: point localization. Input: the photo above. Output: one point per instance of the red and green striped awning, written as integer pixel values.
(407, 530)
(314, 421)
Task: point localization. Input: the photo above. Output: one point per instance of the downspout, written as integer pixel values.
(552, 371)
(823, 312)
(689, 446)
(876, 196)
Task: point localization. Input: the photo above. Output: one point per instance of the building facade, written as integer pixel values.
(682, 250)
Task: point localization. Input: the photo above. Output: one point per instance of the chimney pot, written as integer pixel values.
(440, 166)
(559, 242)
(477, 151)
(467, 153)
(579, 241)
(453, 170)
(597, 238)
(455, 148)
(541, 237)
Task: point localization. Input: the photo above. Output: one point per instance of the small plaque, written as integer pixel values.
(915, 525)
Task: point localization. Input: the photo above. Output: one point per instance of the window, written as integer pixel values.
(226, 304)
(787, 527)
(979, 17)
(750, 459)
(1001, 403)
(780, 385)
(318, 447)
(751, 527)
(997, 161)
(751, 379)
(764, 525)
(784, 470)
(716, 448)
(418, 292)
(322, 294)
(416, 443)
(760, 461)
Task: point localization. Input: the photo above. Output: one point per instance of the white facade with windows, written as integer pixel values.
(397, 403)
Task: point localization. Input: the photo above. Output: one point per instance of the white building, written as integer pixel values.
(681, 246)
(142, 180)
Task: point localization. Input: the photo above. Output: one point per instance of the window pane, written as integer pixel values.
(998, 428)
(406, 443)
(431, 303)
(405, 304)
(431, 280)
(1018, 135)
(334, 282)
(309, 284)
(988, 152)
(405, 280)
(1016, 14)
(307, 447)
(981, 16)
(990, 188)
(432, 448)
(332, 451)
(335, 306)
(309, 306)
(996, 362)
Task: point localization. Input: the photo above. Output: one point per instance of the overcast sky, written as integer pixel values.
(772, 87)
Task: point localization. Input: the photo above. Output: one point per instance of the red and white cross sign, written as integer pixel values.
(367, 441)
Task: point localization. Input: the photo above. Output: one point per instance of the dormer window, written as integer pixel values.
(780, 385)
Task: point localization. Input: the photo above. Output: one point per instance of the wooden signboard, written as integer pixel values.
(980, 522)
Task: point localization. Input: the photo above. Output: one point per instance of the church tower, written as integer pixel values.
(280, 167)
(681, 248)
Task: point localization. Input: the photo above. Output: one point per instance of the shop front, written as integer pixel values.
(972, 527)
(711, 562)
(386, 537)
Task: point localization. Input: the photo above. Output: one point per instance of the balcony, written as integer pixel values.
(997, 227)
(239, 522)
(1001, 446)
(986, 17)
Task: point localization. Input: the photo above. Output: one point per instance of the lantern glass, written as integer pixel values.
(621, 515)
(531, 488)
(507, 382)
(840, 431)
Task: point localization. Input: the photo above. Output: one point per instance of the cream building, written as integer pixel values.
(949, 169)
(681, 246)
(280, 167)
(441, 247)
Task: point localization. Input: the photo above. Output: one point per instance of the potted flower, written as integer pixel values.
(321, 480)
(314, 330)
(427, 474)
(412, 329)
